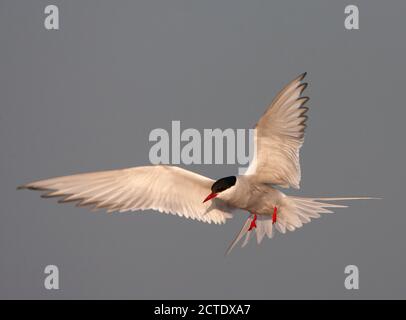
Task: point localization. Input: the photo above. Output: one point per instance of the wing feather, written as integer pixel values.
(279, 135)
(166, 189)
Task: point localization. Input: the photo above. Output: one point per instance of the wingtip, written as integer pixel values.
(303, 86)
(28, 187)
(303, 75)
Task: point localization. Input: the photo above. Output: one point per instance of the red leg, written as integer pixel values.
(253, 223)
(274, 215)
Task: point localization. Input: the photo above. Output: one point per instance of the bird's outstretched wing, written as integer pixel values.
(166, 189)
(279, 134)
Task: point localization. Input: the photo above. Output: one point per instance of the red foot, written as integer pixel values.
(274, 215)
(253, 223)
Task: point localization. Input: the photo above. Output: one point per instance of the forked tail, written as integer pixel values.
(292, 212)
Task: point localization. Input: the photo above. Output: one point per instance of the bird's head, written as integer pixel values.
(220, 186)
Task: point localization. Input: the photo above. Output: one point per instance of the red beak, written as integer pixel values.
(210, 196)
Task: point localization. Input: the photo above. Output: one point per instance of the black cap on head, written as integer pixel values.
(223, 184)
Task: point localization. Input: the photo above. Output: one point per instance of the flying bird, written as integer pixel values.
(279, 135)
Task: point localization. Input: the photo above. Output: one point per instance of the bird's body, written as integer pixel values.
(251, 196)
(279, 135)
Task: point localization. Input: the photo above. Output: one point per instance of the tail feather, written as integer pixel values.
(244, 230)
(293, 212)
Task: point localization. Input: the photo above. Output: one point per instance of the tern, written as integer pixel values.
(279, 135)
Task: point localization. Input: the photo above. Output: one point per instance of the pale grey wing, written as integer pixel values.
(163, 188)
(279, 134)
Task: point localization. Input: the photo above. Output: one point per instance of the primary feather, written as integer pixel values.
(279, 135)
(166, 189)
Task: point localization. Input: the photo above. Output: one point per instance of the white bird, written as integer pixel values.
(279, 135)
